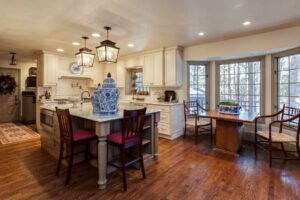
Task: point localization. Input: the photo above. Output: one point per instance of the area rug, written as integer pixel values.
(11, 133)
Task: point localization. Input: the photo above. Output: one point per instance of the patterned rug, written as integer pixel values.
(11, 133)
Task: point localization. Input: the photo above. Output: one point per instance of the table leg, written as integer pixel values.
(102, 130)
(229, 136)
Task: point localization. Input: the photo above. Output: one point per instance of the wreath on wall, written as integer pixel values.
(7, 84)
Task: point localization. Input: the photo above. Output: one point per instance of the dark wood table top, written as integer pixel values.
(242, 117)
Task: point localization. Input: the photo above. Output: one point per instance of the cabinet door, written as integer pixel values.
(121, 73)
(148, 70)
(158, 69)
(170, 68)
(50, 70)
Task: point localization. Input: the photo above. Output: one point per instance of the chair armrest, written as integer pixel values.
(266, 116)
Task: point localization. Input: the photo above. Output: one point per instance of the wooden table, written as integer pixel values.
(229, 129)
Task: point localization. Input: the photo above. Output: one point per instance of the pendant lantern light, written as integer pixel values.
(107, 51)
(13, 60)
(85, 57)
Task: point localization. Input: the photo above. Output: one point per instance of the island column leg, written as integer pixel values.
(102, 130)
(155, 134)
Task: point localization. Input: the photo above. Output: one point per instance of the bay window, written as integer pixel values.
(287, 79)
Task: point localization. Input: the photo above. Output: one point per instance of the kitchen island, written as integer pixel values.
(83, 117)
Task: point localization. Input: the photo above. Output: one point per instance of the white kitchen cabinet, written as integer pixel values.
(173, 67)
(120, 74)
(148, 70)
(47, 69)
(153, 69)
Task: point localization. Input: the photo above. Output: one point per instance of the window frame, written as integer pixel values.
(275, 58)
(261, 59)
(207, 80)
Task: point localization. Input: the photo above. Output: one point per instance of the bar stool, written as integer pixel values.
(130, 136)
(71, 139)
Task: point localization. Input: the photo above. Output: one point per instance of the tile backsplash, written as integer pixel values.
(66, 88)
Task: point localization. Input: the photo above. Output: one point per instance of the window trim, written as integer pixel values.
(207, 80)
(274, 64)
(262, 59)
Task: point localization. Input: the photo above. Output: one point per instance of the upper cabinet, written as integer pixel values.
(153, 69)
(173, 67)
(47, 70)
(51, 67)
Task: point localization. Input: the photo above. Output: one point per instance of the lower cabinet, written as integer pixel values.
(171, 123)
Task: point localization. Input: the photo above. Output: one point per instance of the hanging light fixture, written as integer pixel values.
(107, 51)
(85, 57)
(13, 60)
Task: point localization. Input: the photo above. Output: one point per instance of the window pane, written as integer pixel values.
(197, 84)
(240, 82)
(288, 85)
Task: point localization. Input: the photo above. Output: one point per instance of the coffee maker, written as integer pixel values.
(170, 95)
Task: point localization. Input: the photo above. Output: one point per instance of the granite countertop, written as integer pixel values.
(150, 102)
(85, 111)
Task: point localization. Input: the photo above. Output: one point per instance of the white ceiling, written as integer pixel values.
(27, 26)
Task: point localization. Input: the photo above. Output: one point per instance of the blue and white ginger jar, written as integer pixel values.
(107, 96)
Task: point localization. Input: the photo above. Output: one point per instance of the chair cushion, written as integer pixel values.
(84, 135)
(191, 122)
(277, 137)
(117, 138)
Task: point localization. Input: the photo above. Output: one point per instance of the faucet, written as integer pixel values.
(82, 93)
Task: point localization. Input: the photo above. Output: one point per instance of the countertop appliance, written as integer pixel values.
(170, 95)
(31, 82)
(28, 107)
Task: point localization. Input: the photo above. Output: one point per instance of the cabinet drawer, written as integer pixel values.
(165, 117)
(164, 128)
(162, 108)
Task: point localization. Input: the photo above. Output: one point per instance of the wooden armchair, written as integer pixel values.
(192, 119)
(289, 117)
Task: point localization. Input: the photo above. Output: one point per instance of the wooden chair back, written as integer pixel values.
(289, 112)
(132, 123)
(65, 125)
(191, 108)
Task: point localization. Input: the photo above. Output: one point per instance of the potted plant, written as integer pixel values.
(229, 107)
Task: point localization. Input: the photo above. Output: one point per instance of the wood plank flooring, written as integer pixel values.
(183, 171)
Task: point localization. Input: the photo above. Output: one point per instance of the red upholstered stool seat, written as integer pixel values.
(117, 138)
(85, 134)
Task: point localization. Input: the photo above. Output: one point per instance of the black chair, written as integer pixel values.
(70, 139)
(130, 136)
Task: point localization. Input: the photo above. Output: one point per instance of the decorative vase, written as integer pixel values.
(229, 109)
(105, 98)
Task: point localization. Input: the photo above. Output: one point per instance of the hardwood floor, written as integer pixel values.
(183, 171)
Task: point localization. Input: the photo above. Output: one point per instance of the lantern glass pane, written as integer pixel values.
(85, 59)
(112, 54)
(101, 53)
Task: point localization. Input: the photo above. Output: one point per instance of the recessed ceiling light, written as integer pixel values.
(59, 50)
(76, 43)
(246, 23)
(130, 45)
(201, 34)
(96, 35)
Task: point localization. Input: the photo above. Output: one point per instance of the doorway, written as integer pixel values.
(10, 104)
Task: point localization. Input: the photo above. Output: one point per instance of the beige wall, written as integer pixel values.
(254, 45)
(22, 65)
(260, 44)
